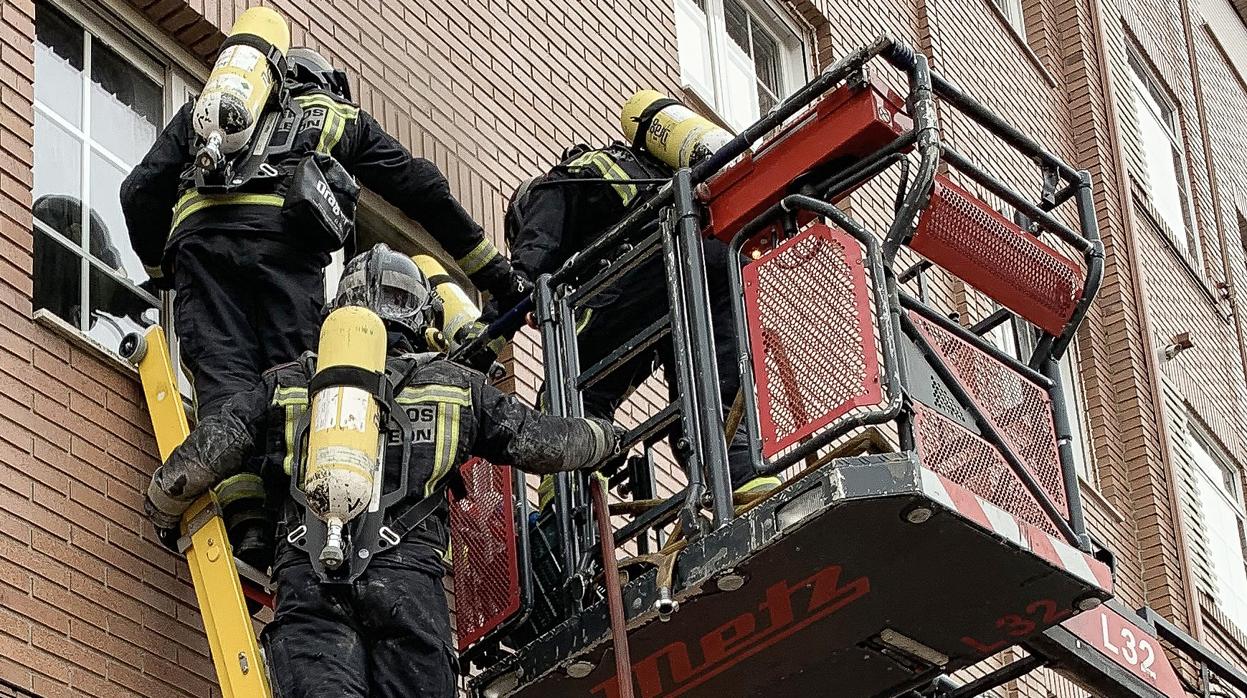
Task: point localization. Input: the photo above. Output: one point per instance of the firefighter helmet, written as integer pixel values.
(308, 67)
(391, 285)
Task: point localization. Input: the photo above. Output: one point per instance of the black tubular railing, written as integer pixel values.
(697, 408)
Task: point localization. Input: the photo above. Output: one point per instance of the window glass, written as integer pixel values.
(126, 105)
(1221, 506)
(88, 136)
(59, 61)
(693, 38)
(740, 56)
(1161, 153)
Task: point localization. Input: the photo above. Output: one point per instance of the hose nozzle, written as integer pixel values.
(332, 555)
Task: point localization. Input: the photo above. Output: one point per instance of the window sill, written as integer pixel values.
(74, 336)
(1143, 204)
(1022, 45)
(1092, 492)
(1212, 611)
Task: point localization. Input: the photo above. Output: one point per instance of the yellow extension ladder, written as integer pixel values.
(235, 652)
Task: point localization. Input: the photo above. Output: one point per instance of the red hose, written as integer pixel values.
(614, 594)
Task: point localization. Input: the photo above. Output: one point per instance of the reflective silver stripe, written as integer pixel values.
(436, 393)
(164, 503)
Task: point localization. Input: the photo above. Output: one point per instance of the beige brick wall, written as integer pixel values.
(89, 605)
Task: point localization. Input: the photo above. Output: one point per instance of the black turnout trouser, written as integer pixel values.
(243, 305)
(387, 635)
(638, 300)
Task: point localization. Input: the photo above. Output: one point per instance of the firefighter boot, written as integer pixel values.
(247, 519)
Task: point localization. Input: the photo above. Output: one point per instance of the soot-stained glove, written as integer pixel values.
(608, 439)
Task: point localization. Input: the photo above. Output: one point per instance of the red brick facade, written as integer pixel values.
(91, 606)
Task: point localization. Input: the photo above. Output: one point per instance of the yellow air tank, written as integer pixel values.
(676, 135)
(229, 107)
(458, 310)
(343, 443)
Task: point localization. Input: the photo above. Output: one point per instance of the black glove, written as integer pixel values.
(483, 356)
(516, 288)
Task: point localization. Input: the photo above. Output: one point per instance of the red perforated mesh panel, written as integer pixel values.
(988, 251)
(482, 539)
(963, 457)
(813, 340)
(1020, 410)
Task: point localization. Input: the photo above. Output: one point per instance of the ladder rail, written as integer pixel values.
(236, 655)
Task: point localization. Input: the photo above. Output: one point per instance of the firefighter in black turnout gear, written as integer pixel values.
(247, 261)
(387, 633)
(556, 215)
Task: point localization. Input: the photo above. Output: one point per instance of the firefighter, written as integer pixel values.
(553, 216)
(388, 632)
(248, 271)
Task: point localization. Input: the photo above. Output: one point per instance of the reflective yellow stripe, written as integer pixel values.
(447, 443)
(331, 123)
(476, 260)
(345, 111)
(284, 396)
(436, 393)
(239, 487)
(583, 322)
(609, 169)
(294, 399)
(193, 202)
(336, 118)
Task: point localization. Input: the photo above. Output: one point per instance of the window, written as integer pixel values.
(99, 104)
(1219, 489)
(740, 56)
(1012, 11)
(1161, 151)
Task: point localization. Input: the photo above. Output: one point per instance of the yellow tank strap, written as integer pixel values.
(474, 261)
(239, 487)
(608, 169)
(193, 202)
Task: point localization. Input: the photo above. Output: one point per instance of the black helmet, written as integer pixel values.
(392, 286)
(306, 66)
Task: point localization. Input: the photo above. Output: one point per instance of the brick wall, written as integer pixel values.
(89, 605)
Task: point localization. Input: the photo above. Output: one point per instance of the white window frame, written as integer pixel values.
(1227, 485)
(1148, 94)
(1011, 10)
(175, 88)
(788, 37)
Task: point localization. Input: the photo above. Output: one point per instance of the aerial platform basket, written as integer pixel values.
(931, 515)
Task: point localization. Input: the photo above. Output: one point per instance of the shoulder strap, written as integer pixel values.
(410, 518)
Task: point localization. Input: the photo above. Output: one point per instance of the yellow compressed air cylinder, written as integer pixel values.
(228, 109)
(676, 135)
(343, 445)
(458, 310)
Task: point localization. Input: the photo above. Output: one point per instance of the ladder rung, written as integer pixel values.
(626, 352)
(630, 260)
